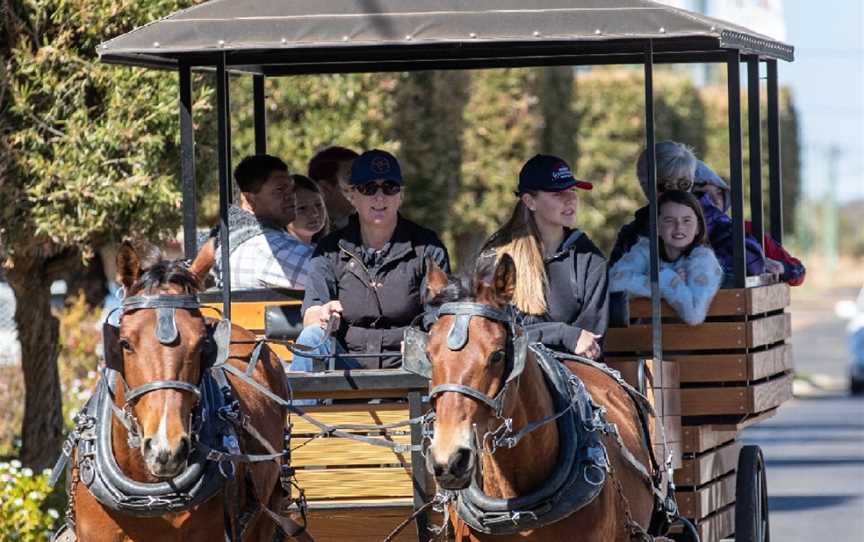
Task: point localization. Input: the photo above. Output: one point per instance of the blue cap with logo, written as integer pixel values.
(375, 165)
(548, 173)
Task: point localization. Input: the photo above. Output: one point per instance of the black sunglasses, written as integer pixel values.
(370, 189)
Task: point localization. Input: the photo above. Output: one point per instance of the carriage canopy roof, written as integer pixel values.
(276, 37)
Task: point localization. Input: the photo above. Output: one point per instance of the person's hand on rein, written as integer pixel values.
(587, 345)
(328, 310)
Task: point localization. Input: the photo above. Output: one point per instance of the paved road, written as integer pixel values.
(814, 447)
(814, 450)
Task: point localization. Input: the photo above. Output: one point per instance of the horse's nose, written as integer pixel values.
(164, 460)
(455, 473)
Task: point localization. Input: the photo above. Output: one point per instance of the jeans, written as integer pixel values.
(312, 337)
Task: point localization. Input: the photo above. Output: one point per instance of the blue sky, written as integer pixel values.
(827, 78)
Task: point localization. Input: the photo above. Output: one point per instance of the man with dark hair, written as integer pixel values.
(263, 254)
(330, 168)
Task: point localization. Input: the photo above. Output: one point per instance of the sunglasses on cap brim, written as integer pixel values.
(370, 189)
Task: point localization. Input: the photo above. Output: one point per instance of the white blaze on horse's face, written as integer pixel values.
(461, 420)
(163, 415)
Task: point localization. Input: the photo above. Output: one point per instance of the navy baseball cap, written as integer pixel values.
(375, 165)
(548, 174)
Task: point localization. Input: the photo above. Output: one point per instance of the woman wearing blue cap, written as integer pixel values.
(561, 294)
(369, 274)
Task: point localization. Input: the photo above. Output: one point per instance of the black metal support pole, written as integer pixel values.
(187, 163)
(227, 78)
(754, 140)
(735, 168)
(775, 176)
(223, 153)
(418, 467)
(260, 114)
(656, 330)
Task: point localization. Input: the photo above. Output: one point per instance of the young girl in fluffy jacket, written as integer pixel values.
(690, 274)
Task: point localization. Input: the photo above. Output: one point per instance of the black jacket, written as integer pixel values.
(379, 303)
(577, 297)
(629, 235)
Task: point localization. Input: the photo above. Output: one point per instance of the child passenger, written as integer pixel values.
(690, 274)
(311, 222)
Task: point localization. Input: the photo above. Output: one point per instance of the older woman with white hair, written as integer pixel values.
(676, 168)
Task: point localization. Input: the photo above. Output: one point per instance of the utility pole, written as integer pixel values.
(830, 220)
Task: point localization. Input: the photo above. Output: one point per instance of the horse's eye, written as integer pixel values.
(497, 357)
(126, 345)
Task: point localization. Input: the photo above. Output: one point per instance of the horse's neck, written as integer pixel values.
(510, 472)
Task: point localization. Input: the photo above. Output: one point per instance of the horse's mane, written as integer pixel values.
(164, 273)
(462, 287)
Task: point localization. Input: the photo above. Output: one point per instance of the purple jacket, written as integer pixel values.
(720, 235)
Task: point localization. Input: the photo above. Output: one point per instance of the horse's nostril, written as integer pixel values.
(460, 461)
(184, 448)
(148, 446)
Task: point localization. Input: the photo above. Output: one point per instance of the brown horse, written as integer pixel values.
(458, 454)
(162, 417)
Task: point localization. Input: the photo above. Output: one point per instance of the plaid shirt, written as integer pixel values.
(273, 260)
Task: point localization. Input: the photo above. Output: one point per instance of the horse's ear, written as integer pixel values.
(204, 260)
(504, 280)
(128, 265)
(436, 280)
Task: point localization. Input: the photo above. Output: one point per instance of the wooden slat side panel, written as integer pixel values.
(364, 414)
(672, 427)
(769, 330)
(342, 451)
(699, 503)
(770, 362)
(717, 526)
(628, 367)
(715, 401)
(709, 466)
(767, 298)
(727, 302)
(742, 367)
(674, 448)
(699, 438)
(360, 483)
(360, 524)
(666, 402)
(707, 336)
(773, 393)
(711, 367)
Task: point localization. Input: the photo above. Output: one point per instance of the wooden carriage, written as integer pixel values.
(715, 378)
(356, 491)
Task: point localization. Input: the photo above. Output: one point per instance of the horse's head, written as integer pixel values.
(471, 351)
(162, 337)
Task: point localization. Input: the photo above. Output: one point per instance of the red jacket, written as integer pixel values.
(793, 269)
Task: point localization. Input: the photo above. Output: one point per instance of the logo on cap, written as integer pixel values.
(561, 172)
(380, 165)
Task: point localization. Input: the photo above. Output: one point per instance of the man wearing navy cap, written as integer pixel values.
(561, 295)
(370, 273)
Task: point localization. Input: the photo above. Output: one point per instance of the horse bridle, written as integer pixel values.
(165, 306)
(457, 338)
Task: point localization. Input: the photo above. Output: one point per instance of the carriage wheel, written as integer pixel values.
(751, 497)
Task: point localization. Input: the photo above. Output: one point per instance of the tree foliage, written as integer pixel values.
(89, 155)
(93, 146)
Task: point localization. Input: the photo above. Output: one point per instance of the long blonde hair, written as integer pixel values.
(520, 238)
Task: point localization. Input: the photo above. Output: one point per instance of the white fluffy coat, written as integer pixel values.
(690, 298)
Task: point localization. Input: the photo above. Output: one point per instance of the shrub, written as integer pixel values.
(29, 510)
